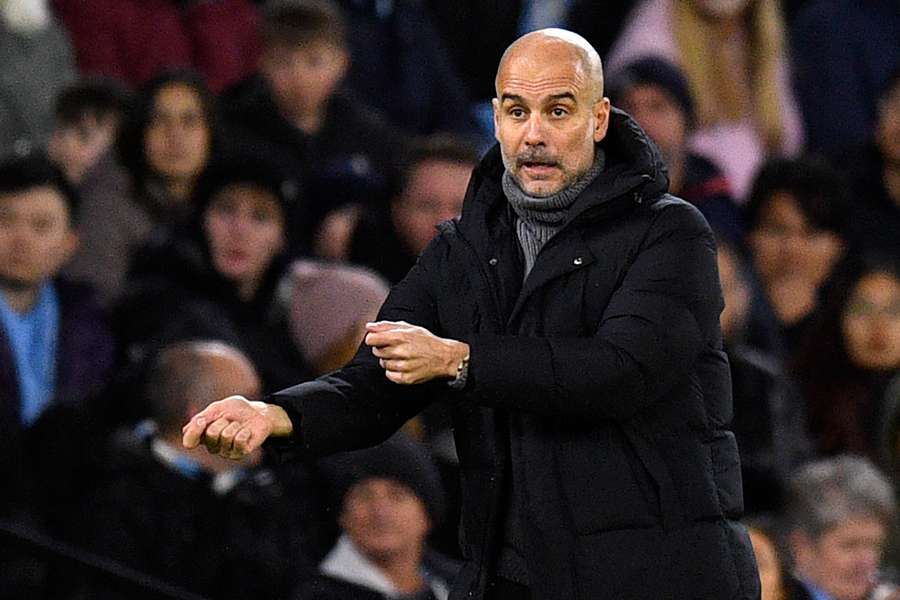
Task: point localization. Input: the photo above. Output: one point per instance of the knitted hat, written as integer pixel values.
(399, 459)
(327, 301)
(659, 72)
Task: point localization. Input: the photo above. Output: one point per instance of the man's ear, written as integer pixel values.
(601, 118)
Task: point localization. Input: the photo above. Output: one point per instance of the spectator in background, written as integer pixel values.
(198, 521)
(796, 218)
(134, 41)
(401, 67)
(876, 178)
(170, 136)
(389, 239)
(167, 138)
(655, 92)
(35, 64)
(390, 497)
(341, 150)
(330, 305)
(219, 276)
(840, 511)
(733, 54)
(850, 354)
(56, 351)
(89, 114)
(854, 42)
(769, 419)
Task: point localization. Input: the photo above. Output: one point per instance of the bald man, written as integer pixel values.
(209, 525)
(569, 318)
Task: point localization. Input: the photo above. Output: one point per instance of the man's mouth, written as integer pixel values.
(537, 167)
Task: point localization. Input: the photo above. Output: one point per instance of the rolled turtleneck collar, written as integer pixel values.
(539, 218)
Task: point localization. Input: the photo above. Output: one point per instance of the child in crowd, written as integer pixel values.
(89, 114)
(297, 108)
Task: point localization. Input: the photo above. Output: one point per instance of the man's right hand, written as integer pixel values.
(235, 427)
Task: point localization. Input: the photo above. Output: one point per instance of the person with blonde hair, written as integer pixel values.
(733, 53)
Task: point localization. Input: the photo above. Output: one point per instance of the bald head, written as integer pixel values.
(186, 375)
(546, 45)
(549, 111)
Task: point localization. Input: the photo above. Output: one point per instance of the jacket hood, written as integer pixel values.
(633, 164)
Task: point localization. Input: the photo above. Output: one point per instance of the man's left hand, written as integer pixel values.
(410, 354)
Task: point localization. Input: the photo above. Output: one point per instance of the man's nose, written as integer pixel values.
(534, 130)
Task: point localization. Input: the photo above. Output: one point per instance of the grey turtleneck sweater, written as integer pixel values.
(539, 219)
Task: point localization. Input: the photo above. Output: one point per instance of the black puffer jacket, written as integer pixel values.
(601, 380)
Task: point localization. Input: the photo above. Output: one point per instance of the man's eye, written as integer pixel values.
(517, 113)
(559, 112)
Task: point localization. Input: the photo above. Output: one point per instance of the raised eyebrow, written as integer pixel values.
(511, 98)
(553, 98)
(563, 96)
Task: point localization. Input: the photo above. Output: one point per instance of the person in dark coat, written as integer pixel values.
(797, 220)
(769, 413)
(570, 321)
(389, 498)
(194, 520)
(389, 239)
(219, 278)
(656, 93)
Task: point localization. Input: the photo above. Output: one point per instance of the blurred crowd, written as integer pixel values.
(207, 197)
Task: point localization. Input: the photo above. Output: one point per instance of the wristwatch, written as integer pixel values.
(462, 373)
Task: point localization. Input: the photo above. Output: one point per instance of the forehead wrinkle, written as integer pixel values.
(540, 86)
